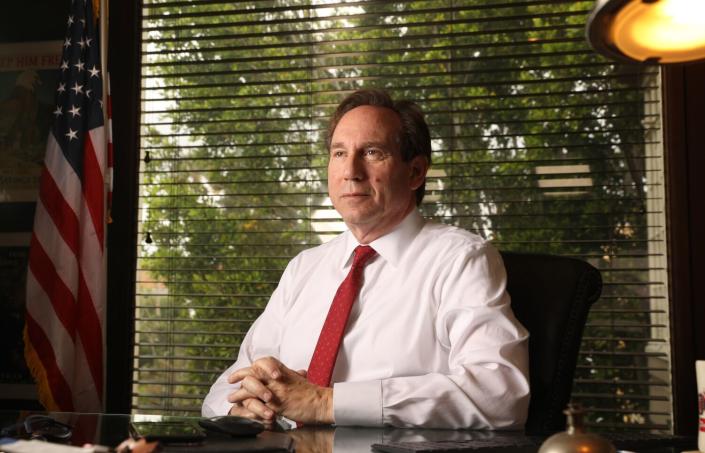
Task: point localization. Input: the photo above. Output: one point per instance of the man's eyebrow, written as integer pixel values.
(364, 144)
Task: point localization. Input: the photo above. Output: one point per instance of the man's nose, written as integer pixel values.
(354, 167)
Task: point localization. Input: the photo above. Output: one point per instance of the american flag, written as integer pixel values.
(65, 315)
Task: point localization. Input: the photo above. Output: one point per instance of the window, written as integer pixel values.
(538, 144)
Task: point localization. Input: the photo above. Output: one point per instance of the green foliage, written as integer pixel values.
(538, 144)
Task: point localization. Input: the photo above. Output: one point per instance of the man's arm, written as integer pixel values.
(486, 383)
(263, 339)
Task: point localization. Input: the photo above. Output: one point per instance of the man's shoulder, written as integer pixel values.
(318, 252)
(446, 244)
(452, 237)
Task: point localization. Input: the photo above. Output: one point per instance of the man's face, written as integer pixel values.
(368, 182)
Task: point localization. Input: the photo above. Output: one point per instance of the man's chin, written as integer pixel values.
(357, 219)
(358, 216)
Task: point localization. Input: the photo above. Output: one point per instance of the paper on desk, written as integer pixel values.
(32, 446)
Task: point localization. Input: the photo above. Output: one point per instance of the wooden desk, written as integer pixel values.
(111, 429)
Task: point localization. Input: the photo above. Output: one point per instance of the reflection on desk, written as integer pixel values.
(112, 429)
(513, 442)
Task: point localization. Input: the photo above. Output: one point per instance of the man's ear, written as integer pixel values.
(419, 168)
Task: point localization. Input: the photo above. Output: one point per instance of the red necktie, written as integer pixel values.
(323, 360)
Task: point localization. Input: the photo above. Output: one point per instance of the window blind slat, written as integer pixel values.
(288, 20)
(538, 144)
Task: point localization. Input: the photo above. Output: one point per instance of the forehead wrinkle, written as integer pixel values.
(379, 144)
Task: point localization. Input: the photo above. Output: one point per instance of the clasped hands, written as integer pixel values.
(268, 389)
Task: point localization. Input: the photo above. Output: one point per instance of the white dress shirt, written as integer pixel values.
(431, 340)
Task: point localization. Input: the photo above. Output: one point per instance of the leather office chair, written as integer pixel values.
(551, 297)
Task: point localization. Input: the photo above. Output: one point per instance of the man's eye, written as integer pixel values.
(337, 154)
(373, 154)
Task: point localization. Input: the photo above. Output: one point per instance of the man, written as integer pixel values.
(430, 340)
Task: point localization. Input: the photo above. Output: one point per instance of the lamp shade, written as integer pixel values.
(648, 31)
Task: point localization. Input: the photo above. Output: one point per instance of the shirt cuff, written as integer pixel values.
(214, 410)
(358, 403)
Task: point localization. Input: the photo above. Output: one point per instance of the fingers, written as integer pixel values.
(238, 375)
(250, 388)
(258, 408)
(256, 388)
(270, 366)
(263, 369)
(242, 373)
(254, 409)
(240, 411)
(268, 388)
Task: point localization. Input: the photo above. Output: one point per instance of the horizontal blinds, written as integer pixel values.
(538, 144)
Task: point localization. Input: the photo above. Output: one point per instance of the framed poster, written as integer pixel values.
(28, 80)
(13, 274)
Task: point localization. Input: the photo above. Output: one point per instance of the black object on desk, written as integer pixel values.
(175, 431)
(232, 426)
(222, 434)
(40, 427)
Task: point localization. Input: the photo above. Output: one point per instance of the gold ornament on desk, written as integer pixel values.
(575, 439)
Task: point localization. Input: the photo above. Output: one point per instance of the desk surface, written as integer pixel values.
(111, 429)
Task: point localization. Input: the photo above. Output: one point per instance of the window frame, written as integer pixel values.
(684, 139)
(684, 142)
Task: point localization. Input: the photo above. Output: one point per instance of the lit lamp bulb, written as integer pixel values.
(652, 31)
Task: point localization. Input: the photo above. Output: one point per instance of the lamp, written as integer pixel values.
(648, 31)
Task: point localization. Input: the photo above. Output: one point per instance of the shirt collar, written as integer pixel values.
(391, 246)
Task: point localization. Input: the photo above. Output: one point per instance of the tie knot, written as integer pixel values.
(363, 253)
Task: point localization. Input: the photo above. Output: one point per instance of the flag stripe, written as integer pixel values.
(61, 342)
(60, 389)
(91, 260)
(89, 329)
(87, 392)
(62, 300)
(63, 217)
(93, 187)
(97, 137)
(67, 267)
(64, 175)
